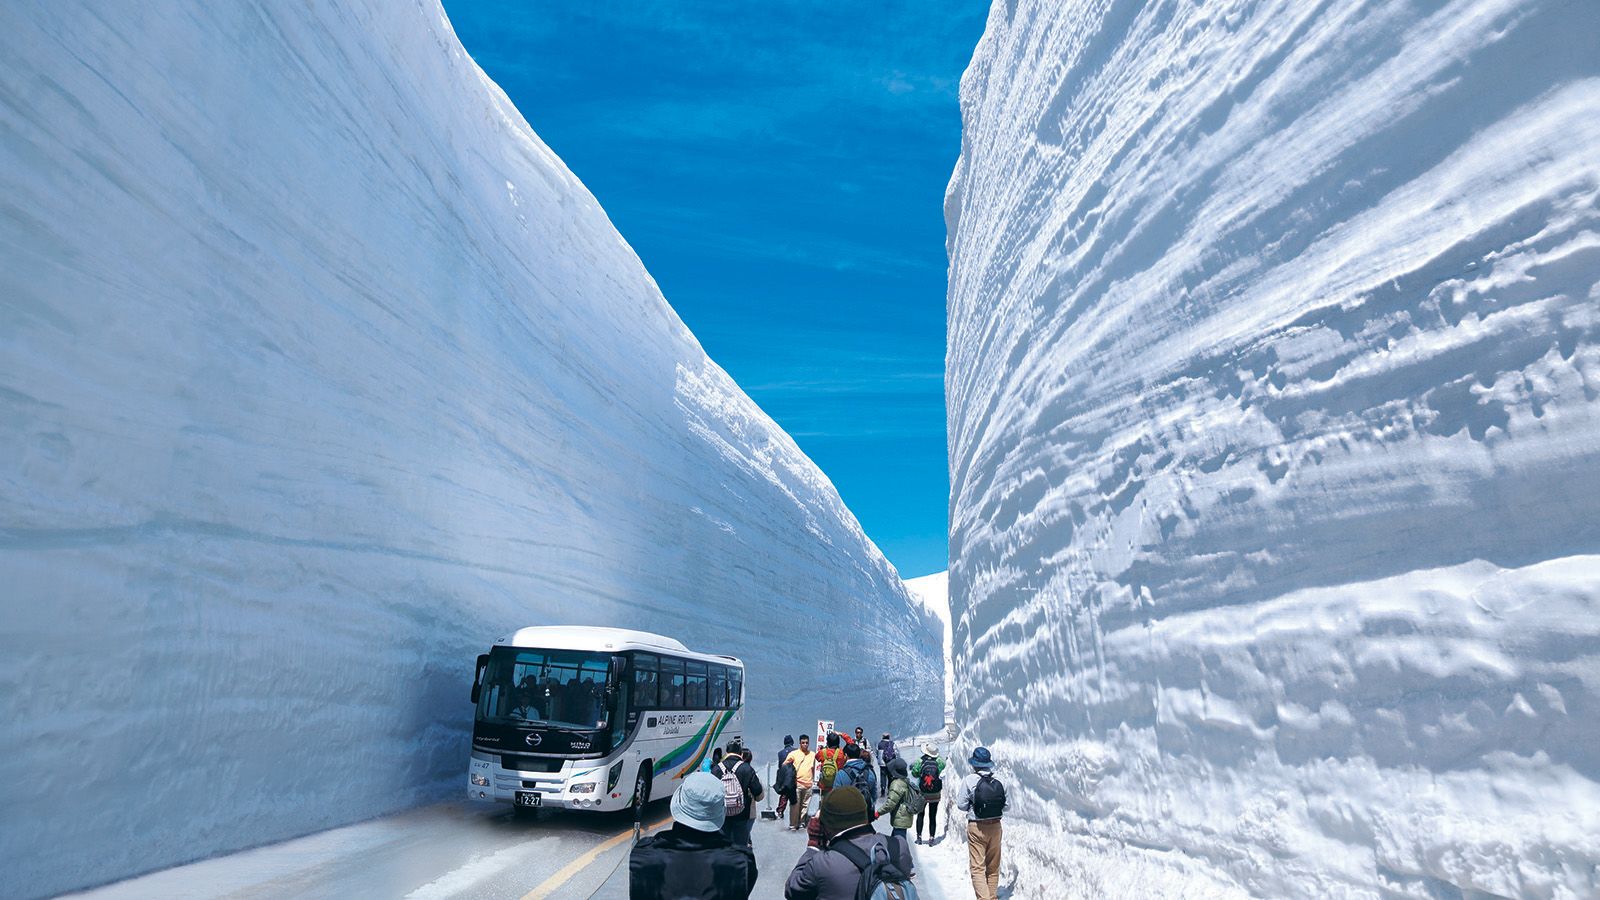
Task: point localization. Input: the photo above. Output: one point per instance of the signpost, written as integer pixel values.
(824, 726)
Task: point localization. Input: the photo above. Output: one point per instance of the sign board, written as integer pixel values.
(823, 727)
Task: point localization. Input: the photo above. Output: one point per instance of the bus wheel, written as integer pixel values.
(641, 790)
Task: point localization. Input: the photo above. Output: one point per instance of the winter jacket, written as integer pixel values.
(784, 783)
(683, 862)
(857, 774)
(886, 752)
(830, 875)
(900, 804)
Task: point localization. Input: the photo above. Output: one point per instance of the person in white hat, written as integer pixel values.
(927, 776)
(694, 858)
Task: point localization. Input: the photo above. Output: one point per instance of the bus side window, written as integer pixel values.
(735, 686)
(694, 684)
(719, 687)
(644, 681)
(671, 683)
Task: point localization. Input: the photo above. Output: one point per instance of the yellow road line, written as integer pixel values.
(548, 887)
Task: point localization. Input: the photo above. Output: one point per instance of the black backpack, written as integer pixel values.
(882, 877)
(988, 797)
(928, 779)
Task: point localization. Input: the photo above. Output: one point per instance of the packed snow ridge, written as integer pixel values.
(1275, 444)
(319, 372)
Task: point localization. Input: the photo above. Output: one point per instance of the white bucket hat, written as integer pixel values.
(698, 802)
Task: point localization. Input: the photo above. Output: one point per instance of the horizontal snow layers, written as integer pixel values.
(1252, 299)
(318, 372)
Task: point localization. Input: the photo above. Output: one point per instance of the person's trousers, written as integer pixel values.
(983, 857)
(931, 810)
(883, 781)
(737, 829)
(783, 804)
(802, 799)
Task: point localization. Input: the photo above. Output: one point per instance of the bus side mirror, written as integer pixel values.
(477, 677)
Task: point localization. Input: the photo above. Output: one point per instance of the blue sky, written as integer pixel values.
(780, 168)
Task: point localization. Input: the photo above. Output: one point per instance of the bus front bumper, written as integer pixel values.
(585, 788)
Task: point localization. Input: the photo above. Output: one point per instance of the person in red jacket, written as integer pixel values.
(830, 760)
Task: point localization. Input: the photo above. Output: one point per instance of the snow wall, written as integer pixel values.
(319, 372)
(1274, 443)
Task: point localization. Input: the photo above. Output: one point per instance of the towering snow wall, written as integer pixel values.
(318, 372)
(1275, 450)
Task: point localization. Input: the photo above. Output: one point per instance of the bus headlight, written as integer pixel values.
(613, 775)
(585, 788)
(480, 780)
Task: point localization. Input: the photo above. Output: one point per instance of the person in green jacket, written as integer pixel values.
(928, 777)
(902, 802)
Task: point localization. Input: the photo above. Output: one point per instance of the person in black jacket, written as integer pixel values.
(693, 859)
(785, 797)
(785, 783)
(737, 826)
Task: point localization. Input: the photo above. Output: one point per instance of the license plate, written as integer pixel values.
(529, 798)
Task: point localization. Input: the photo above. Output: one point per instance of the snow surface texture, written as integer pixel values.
(318, 372)
(1275, 446)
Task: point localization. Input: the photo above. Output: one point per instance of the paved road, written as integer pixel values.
(450, 850)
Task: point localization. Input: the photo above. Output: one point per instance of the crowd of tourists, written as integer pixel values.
(709, 852)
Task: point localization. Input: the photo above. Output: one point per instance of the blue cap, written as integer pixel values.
(981, 759)
(698, 802)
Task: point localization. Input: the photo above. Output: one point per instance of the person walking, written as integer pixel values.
(783, 785)
(850, 847)
(805, 767)
(928, 778)
(694, 857)
(901, 802)
(829, 760)
(886, 755)
(856, 773)
(784, 796)
(983, 798)
(741, 790)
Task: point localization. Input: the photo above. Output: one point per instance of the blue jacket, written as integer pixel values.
(857, 774)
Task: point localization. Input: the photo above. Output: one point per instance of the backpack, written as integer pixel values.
(928, 779)
(915, 798)
(988, 797)
(888, 753)
(881, 877)
(732, 791)
(829, 759)
(846, 778)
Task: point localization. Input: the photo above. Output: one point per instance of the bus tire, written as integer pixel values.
(641, 787)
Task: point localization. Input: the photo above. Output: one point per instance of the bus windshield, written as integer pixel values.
(555, 688)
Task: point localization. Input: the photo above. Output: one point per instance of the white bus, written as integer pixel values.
(596, 718)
